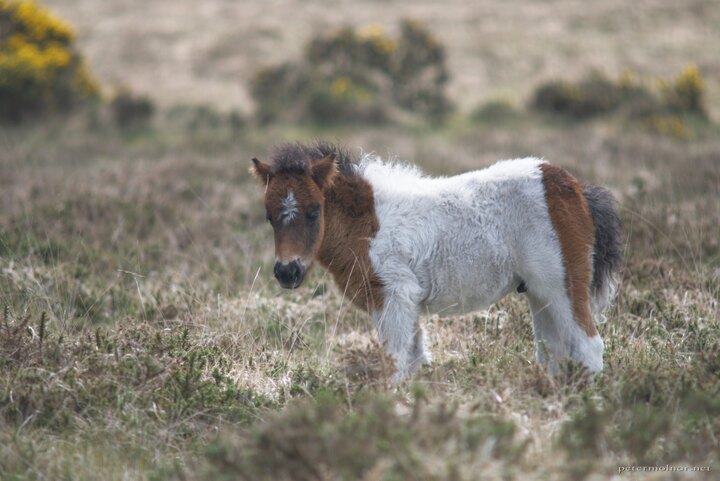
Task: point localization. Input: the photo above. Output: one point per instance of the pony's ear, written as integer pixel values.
(324, 171)
(261, 171)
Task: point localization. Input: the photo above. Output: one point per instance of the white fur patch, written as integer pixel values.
(457, 244)
(289, 208)
(467, 240)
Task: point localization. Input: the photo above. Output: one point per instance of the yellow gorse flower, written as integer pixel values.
(39, 23)
(690, 81)
(686, 92)
(672, 126)
(25, 55)
(371, 31)
(627, 79)
(340, 85)
(375, 34)
(385, 45)
(84, 82)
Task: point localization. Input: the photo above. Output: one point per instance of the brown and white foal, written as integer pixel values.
(399, 243)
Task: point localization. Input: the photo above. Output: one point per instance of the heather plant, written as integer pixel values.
(358, 75)
(41, 70)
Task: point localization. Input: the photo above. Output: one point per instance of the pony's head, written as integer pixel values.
(294, 203)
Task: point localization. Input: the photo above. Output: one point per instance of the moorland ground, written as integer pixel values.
(142, 335)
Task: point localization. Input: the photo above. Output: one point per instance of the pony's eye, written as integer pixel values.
(313, 213)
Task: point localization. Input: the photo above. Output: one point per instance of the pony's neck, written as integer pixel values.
(350, 224)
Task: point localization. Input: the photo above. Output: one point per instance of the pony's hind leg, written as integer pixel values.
(558, 336)
(562, 324)
(560, 291)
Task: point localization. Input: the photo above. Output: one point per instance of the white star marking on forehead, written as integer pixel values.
(289, 208)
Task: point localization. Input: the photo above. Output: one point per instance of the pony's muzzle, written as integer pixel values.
(289, 275)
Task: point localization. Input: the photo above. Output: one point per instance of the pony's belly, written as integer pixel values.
(462, 287)
(461, 299)
(453, 306)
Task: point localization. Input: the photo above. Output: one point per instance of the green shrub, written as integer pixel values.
(344, 100)
(357, 75)
(592, 96)
(494, 111)
(419, 71)
(637, 100)
(278, 91)
(40, 69)
(129, 109)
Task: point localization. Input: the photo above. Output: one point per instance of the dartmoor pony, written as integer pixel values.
(401, 244)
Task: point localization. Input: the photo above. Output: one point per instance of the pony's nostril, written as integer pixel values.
(288, 274)
(294, 271)
(281, 272)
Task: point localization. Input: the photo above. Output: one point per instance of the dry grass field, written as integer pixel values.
(142, 335)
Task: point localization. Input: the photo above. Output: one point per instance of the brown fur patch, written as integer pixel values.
(350, 225)
(571, 218)
(297, 238)
(340, 239)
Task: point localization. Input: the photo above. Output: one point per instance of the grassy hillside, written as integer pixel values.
(142, 335)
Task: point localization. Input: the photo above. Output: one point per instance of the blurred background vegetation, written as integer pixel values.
(142, 335)
(357, 76)
(346, 75)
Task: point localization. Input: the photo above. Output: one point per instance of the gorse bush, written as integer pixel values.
(686, 93)
(357, 75)
(597, 94)
(40, 69)
(593, 95)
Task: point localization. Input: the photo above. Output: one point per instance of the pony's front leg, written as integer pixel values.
(398, 329)
(420, 354)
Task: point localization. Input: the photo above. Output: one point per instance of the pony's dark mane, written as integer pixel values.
(295, 158)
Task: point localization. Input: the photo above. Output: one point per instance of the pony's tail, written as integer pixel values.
(607, 256)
